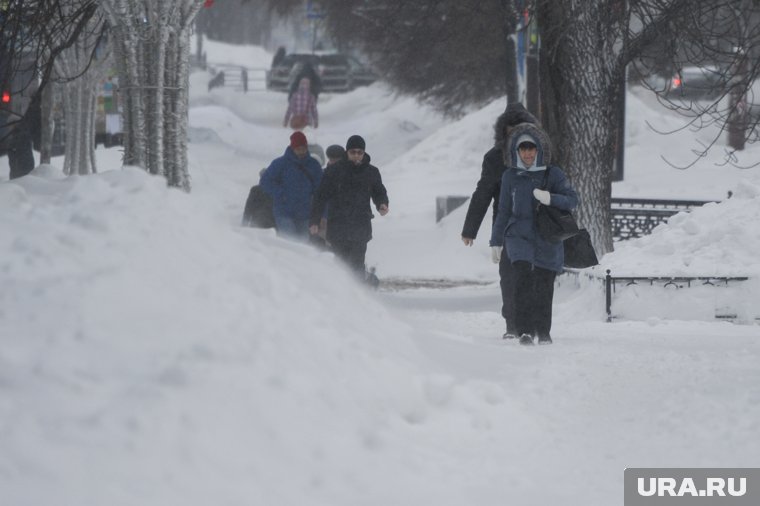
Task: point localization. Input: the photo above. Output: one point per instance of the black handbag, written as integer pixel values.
(554, 224)
(579, 251)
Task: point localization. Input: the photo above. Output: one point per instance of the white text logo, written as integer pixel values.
(648, 487)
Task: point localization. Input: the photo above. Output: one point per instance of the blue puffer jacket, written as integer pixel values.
(290, 186)
(514, 227)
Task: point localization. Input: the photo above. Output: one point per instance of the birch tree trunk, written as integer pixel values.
(84, 73)
(151, 46)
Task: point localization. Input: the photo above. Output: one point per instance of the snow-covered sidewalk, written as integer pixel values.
(154, 352)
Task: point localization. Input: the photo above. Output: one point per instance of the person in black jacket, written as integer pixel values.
(486, 191)
(346, 190)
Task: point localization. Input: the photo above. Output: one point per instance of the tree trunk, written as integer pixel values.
(151, 37)
(47, 126)
(581, 110)
(511, 87)
(126, 29)
(178, 82)
(80, 93)
(738, 118)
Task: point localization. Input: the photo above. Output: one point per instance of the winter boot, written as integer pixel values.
(526, 339)
(545, 340)
(509, 335)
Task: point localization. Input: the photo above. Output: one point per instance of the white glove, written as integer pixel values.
(496, 253)
(542, 196)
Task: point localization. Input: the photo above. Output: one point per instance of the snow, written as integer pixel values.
(152, 351)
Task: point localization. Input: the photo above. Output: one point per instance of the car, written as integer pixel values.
(697, 83)
(338, 72)
(335, 72)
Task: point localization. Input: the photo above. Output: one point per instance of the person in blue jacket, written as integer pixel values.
(528, 180)
(291, 180)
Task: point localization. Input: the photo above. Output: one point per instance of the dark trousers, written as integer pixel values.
(506, 280)
(533, 297)
(353, 253)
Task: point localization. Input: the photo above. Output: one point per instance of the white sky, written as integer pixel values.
(154, 352)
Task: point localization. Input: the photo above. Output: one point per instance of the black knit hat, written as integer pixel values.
(334, 152)
(355, 142)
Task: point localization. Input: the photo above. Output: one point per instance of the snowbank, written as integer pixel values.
(149, 354)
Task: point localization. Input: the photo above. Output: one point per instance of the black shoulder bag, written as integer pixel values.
(561, 226)
(554, 224)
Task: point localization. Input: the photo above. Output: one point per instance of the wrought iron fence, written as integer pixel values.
(633, 218)
(611, 282)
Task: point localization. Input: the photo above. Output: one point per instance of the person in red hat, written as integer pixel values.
(291, 180)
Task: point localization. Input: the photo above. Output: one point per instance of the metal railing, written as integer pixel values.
(611, 282)
(239, 78)
(633, 218)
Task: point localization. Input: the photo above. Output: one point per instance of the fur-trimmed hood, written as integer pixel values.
(513, 115)
(541, 140)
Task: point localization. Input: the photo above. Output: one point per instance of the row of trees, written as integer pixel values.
(148, 41)
(33, 35)
(237, 22)
(456, 54)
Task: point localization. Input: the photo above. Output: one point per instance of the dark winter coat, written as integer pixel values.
(292, 181)
(346, 191)
(305, 70)
(493, 167)
(514, 227)
(258, 211)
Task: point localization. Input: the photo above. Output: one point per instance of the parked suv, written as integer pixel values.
(335, 72)
(697, 83)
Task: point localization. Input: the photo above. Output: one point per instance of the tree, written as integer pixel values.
(81, 74)
(451, 53)
(240, 22)
(32, 35)
(151, 42)
(585, 48)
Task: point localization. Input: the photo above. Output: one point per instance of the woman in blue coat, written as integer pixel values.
(528, 180)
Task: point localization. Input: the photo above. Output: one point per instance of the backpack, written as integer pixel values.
(258, 211)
